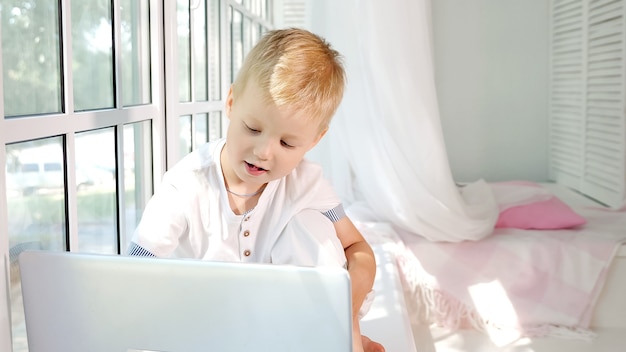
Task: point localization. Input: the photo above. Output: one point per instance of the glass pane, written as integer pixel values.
(257, 31)
(247, 35)
(236, 43)
(137, 174)
(36, 208)
(254, 7)
(96, 191)
(260, 8)
(135, 52)
(200, 51)
(200, 131)
(267, 14)
(215, 125)
(92, 55)
(184, 51)
(31, 64)
(184, 126)
(215, 77)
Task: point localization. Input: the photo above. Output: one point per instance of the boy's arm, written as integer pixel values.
(361, 262)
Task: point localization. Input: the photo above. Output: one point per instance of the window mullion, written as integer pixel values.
(225, 57)
(118, 89)
(171, 77)
(157, 70)
(65, 14)
(5, 323)
(192, 69)
(71, 198)
(121, 189)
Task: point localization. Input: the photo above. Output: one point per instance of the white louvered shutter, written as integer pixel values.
(587, 110)
(293, 13)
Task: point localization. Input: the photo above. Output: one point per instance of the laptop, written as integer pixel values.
(110, 303)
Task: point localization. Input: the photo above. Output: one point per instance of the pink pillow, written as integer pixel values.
(551, 214)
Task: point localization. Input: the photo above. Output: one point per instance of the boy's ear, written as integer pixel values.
(229, 102)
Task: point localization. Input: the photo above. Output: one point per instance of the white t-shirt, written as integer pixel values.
(189, 215)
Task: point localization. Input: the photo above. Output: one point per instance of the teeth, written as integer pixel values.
(255, 167)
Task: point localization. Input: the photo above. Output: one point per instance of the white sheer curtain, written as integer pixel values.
(385, 151)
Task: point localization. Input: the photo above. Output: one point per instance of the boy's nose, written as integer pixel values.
(263, 149)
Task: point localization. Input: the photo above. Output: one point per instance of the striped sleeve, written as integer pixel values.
(136, 250)
(335, 214)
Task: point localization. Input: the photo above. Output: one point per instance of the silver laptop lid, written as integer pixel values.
(87, 302)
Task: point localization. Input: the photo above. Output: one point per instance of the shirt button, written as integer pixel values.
(247, 253)
(246, 218)
(246, 233)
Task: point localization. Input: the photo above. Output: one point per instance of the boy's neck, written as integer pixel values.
(240, 205)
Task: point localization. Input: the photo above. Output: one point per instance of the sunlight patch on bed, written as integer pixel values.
(493, 305)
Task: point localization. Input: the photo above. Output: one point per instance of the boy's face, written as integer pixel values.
(263, 142)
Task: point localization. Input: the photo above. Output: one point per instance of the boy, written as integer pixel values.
(252, 197)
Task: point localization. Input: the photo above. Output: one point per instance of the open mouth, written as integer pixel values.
(254, 169)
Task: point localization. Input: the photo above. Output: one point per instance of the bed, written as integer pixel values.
(516, 290)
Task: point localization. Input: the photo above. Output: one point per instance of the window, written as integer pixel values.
(87, 113)
(77, 127)
(205, 45)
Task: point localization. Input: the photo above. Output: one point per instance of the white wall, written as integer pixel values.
(491, 68)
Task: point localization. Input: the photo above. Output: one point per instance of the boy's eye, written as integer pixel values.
(251, 129)
(285, 144)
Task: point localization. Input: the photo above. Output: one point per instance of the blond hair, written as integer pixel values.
(296, 69)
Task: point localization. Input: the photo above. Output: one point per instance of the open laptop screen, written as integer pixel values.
(89, 302)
